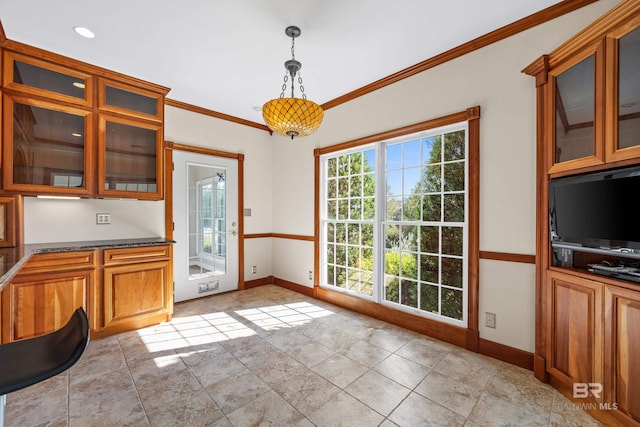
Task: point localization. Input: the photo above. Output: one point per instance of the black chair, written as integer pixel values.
(27, 362)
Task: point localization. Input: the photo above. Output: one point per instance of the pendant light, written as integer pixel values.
(294, 117)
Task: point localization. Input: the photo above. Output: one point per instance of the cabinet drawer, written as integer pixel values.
(137, 254)
(59, 261)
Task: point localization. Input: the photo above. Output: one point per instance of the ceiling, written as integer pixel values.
(228, 55)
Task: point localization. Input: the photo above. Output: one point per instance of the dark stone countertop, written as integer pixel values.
(12, 259)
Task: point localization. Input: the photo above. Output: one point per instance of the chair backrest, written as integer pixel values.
(27, 362)
(71, 340)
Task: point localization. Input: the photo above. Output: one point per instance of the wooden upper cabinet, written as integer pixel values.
(46, 147)
(575, 111)
(130, 137)
(45, 79)
(623, 92)
(130, 158)
(128, 100)
(70, 128)
(589, 93)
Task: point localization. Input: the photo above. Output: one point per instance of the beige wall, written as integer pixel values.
(492, 78)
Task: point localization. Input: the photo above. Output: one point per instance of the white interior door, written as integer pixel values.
(205, 215)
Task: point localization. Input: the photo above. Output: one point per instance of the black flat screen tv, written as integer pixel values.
(598, 210)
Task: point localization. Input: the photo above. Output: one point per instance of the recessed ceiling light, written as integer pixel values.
(84, 32)
(629, 104)
(257, 107)
(79, 85)
(76, 134)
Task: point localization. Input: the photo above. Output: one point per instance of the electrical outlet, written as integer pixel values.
(310, 274)
(490, 320)
(103, 218)
(254, 269)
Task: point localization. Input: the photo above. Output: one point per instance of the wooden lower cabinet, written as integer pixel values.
(45, 293)
(622, 345)
(40, 304)
(130, 289)
(575, 341)
(594, 338)
(137, 288)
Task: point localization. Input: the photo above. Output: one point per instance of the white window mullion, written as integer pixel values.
(381, 209)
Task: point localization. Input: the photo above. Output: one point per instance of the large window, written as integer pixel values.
(394, 222)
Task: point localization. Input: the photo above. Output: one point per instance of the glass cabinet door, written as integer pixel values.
(623, 138)
(45, 149)
(629, 90)
(123, 99)
(575, 96)
(130, 159)
(33, 76)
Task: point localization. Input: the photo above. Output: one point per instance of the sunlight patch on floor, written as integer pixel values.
(276, 317)
(209, 328)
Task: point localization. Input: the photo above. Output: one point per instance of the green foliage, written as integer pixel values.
(206, 245)
(452, 303)
(454, 145)
(409, 293)
(429, 298)
(397, 265)
(392, 290)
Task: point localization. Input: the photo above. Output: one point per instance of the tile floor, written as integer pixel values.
(269, 356)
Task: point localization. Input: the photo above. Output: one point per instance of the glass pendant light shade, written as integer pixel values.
(293, 117)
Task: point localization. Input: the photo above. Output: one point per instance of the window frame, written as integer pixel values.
(381, 220)
(426, 325)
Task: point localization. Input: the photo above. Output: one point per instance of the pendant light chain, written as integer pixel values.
(293, 56)
(286, 76)
(304, 95)
(284, 85)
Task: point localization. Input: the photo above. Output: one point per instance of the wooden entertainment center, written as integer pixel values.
(588, 119)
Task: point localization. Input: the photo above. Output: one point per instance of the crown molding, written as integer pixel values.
(502, 33)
